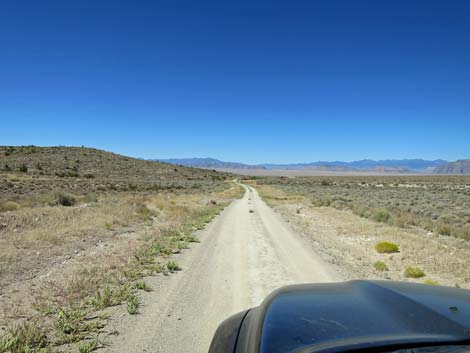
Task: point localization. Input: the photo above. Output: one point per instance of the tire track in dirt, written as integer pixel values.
(242, 257)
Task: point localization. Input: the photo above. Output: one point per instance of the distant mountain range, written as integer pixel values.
(458, 167)
(365, 165)
(401, 165)
(208, 163)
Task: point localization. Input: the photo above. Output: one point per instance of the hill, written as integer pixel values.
(76, 223)
(457, 167)
(30, 169)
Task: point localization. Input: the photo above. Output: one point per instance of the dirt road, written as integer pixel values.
(244, 254)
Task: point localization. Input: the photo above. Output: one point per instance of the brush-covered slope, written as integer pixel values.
(31, 169)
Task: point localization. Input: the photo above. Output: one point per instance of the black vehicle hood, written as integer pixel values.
(356, 315)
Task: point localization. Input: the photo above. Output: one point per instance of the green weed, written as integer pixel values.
(73, 325)
(24, 338)
(143, 286)
(88, 347)
(132, 304)
(172, 266)
(110, 297)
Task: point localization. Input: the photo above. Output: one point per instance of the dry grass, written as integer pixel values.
(163, 225)
(81, 228)
(35, 228)
(9, 206)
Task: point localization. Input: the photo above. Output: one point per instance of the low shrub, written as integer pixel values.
(443, 229)
(405, 219)
(463, 232)
(63, 199)
(144, 212)
(322, 201)
(380, 266)
(386, 247)
(414, 272)
(89, 198)
(9, 206)
(381, 215)
(431, 282)
(359, 210)
(12, 178)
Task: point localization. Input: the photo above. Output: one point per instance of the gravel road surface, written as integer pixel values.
(244, 254)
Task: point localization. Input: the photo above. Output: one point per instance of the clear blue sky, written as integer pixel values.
(250, 81)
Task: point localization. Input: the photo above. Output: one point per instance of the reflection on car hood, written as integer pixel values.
(362, 314)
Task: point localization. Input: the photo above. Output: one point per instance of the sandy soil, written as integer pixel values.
(242, 257)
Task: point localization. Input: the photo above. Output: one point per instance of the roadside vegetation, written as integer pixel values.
(74, 246)
(439, 204)
(373, 244)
